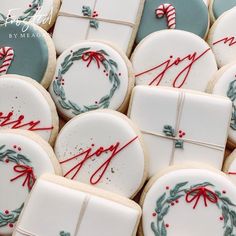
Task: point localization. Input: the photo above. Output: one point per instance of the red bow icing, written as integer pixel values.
(26, 171)
(197, 193)
(90, 56)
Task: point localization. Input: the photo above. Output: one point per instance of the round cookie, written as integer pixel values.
(174, 58)
(222, 38)
(27, 50)
(174, 14)
(218, 7)
(230, 166)
(24, 104)
(40, 12)
(23, 158)
(182, 199)
(90, 76)
(224, 83)
(103, 148)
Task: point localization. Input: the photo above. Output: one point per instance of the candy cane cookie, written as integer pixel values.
(7, 55)
(179, 14)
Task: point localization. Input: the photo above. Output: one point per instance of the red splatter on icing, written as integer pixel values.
(114, 149)
(18, 123)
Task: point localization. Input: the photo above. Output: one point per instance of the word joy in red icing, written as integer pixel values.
(112, 150)
(18, 123)
(189, 60)
(196, 193)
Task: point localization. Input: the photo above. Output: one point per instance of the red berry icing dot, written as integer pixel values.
(6, 212)
(7, 161)
(172, 204)
(154, 214)
(167, 225)
(224, 192)
(221, 218)
(14, 146)
(167, 187)
(19, 148)
(11, 225)
(177, 201)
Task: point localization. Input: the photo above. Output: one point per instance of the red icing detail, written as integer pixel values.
(154, 214)
(230, 40)
(27, 172)
(15, 146)
(19, 148)
(167, 65)
(167, 225)
(172, 204)
(221, 218)
(114, 149)
(196, 193)
(231, 173)
(7, 161)
(93, 56)
(224, 192)
(119, 74)
(167, 187)
(6, 212)
(11, 225)
(19, 122)
(106, 74)
(177, 201)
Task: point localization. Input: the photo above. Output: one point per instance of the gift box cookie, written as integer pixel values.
(24, 157)
(181, 126)
(189, 201)
(111, 21)
(76, 209)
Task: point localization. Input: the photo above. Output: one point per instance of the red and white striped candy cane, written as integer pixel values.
(6, 53)
(168, 10)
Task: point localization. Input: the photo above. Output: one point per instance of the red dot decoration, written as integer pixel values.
(221, 218)
(167, 225)
(14, 146)
(154, 214)
(11, 225)
(19, 148)
(7, 161)
(177, 201)
(224, 192)
(30, 5)
(6, 212)
(167, 187)
(172, 204)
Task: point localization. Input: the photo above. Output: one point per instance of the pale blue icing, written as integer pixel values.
(221, 6)
(191, 15)
(30, 50)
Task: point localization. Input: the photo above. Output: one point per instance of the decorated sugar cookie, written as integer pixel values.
(182, 127)
(91, 76)
(24, 104)
(71, 207)
(174, 58)
(224, 83)
(112, 21)
(222, 38)
(230, 166)
(174, 14)
(103, 149)
(27, 50)
(189, 201)
(23, 158)
(40, 12)
(218, 7)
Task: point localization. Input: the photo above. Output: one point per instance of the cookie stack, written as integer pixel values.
(117, 118)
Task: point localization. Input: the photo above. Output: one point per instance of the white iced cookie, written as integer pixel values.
(103, 149)
(90, 76)
(180, 126)
(40, 12)
(24, 156)
(174, 58)
(76, 209)
(113, 21)
(224, 83)
(189, 201)
(25, 104)
(222, 38)
(230, 166)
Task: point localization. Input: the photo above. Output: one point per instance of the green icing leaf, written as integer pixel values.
(177, 187)
(163, 229)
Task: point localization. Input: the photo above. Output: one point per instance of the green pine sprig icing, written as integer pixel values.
(231, 93)
(63, 233)
(14, 157)
(27, 14)
(109, 65)
(86, 10)
(180, 190)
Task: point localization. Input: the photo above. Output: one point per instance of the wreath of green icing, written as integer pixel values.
(231, 93)
(163, 205)
(109, 65)
(27, 14)
(14, 157)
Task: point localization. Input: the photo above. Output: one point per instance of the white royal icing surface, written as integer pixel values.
(65, 36)
(173, 55)
(13, 194)
(124, 174)
(151, 109)
(87, 80)
(181, 218)
(75, 212)
(224, 81)
(222, 38)
(14, 9)
(23, 99)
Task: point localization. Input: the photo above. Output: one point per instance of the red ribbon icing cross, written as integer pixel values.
(90, 56)
(197, 193)
(27, 172)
